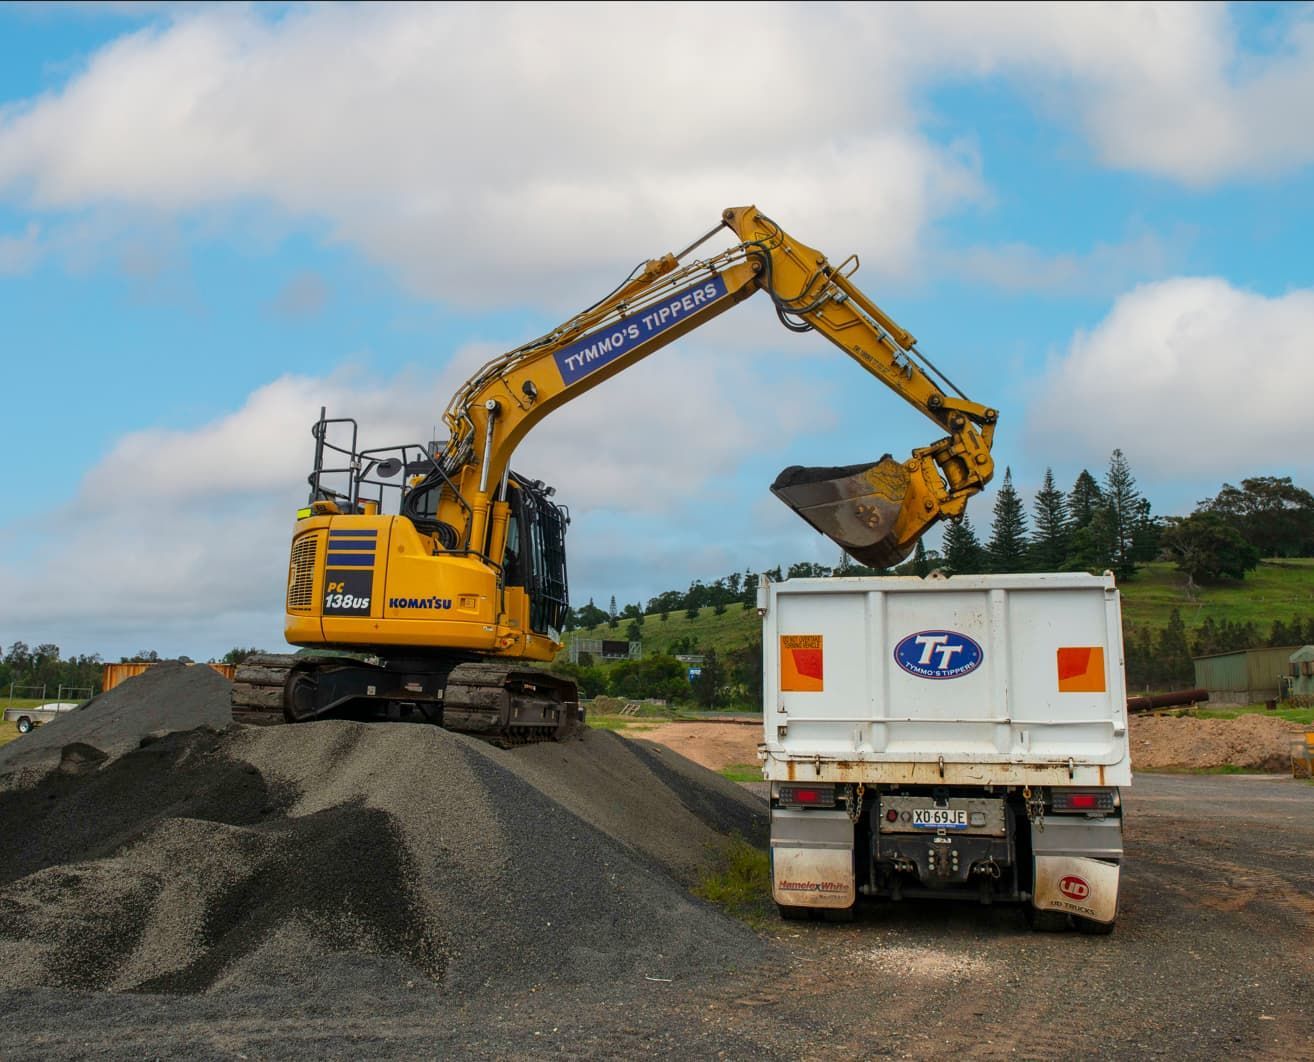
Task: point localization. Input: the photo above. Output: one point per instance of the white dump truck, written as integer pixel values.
(948, 737)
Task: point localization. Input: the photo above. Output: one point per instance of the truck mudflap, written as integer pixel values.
(1087, 888)
(812, 859)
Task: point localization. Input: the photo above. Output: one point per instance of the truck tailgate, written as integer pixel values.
(986, 678)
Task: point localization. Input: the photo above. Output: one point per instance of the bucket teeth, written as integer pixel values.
(856, 506)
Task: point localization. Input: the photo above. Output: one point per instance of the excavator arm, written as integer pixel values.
(876, 511)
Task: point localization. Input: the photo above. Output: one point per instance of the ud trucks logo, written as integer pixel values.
(1074, 888)
(938, 654)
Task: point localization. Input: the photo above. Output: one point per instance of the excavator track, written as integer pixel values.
(501, 704)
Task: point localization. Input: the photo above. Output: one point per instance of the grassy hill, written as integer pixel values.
(1278, 589)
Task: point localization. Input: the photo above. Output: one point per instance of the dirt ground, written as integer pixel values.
(1253, 742)
(713, 745)
(1213, 957)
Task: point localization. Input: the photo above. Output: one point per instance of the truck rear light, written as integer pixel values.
(1067, 800)
(809, 796)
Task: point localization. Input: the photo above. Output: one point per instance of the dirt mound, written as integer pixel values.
(332, 851)
(1255, 742)
(168, 697)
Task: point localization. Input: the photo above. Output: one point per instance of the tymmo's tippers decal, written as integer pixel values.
(938, 654)
(597, 349)
(802, 667)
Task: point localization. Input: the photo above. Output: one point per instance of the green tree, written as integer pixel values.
(962, 550)
(1007, 549)
(745, 667)
(658, 676)
(613, 617)
(1272, 513)
(238, 655)
(1208, 548)
(1049, 544)
(1174, 656)
(592, 681)
(591, 616)
(633, 631)
(1091, 546)
(709, 684)
(1129, 516)
(1084, 501)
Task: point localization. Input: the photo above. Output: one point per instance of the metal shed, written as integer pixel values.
(1247, 676)
(1300, 673)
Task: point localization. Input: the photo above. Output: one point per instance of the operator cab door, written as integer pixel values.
(535, 557)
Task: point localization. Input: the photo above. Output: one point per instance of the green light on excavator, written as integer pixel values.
(302, 514)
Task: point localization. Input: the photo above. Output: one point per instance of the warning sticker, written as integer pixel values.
(801, 668)
(1081, 669)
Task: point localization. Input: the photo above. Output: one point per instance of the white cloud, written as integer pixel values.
(486, 153)
(1192, 378)
(450, 140)
(19, 253)
(1103, 271)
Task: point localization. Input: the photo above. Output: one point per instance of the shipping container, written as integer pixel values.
(117, 673)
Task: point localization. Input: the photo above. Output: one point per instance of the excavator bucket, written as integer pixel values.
(874, 511)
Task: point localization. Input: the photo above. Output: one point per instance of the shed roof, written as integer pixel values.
(1247, 652)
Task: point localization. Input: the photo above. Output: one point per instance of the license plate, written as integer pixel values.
(939, 819)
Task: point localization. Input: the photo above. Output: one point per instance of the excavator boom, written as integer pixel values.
(876, 510)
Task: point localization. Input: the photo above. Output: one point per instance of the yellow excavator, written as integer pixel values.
(427, 612)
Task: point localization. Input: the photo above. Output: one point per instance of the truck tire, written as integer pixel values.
(795, 914)
(24, 724)
(1094, 929)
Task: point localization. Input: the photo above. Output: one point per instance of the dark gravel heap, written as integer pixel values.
(168, 697)
(327, 853)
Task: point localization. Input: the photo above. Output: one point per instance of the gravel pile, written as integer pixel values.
(168, 697)
(323, 854)
(1255, 742)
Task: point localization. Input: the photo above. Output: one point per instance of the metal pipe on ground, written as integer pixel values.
(1171, 699)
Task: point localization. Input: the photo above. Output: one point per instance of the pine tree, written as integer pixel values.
(1129, 514)
(1049, 545)
(612, 619)
(1008, 535)
(1084, 501)
(963, 554)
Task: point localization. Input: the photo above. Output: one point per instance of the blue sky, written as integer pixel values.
(215, 219)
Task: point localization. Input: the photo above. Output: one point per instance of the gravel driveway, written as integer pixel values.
(1213, 957)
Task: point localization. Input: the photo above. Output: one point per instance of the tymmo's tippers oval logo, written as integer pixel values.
(938, 654)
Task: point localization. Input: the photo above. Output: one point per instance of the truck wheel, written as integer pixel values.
(1094, 929)
(1046, 921)
(794, 914)
(24, 725)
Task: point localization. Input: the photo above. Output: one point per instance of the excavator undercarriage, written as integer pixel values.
(506, 705)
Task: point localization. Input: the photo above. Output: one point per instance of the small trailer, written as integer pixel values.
(28, 718)
(955, 737)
